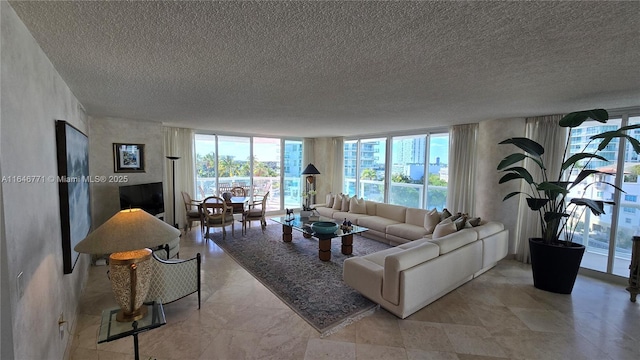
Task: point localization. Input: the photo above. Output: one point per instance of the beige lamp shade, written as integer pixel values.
(127, 230)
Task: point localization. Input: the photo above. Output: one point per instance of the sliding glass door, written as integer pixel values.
(257, 164)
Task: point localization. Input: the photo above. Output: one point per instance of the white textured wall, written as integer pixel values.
(489, 204)
(103, 132)
(33, 96)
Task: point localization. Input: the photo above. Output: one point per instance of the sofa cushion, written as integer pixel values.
(325, 211)
(488, 228)
(400, 261)
(392, 212)
(444, 214)
(329, 200)
(475, 221)
(460, 222)
(406, 231)
(378, 256)
(337, 202)
(340, 216)
(357, 206)
(415, 216)
(431, 219)
(455, 240)
(444, 228)
(371, 207)
(345, 203)
(376, 223)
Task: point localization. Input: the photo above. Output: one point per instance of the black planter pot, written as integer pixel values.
(555, 267)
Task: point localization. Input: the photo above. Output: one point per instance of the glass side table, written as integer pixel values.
(110, 329)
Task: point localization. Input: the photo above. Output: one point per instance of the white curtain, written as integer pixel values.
(178, 142)
(338, 165)
(462, 168)
(545, 131)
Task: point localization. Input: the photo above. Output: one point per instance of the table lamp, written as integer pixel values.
(127, 237)
(311, 171)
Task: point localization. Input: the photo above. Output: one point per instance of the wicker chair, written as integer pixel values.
(172, 280)
(216, 213)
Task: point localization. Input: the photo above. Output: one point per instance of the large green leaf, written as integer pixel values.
(511, 159)
(510, 176)
(584, 174)
(553, 188)
(576, 118)
(510, 195)
(550, 216)
(524, 174)
(580, 156)
(536, 204)
(596, 206)
(528, 145)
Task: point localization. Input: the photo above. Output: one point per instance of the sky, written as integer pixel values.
(266, 150)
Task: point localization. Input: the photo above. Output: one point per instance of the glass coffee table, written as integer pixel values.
(303, 224)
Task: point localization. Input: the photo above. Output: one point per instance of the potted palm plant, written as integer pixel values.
(555, 258)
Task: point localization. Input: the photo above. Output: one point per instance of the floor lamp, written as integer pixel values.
(173, 186)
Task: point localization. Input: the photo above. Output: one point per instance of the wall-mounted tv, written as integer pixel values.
(147, 197)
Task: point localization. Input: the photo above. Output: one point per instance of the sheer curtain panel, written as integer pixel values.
(462, 168)
(545, 131)
(178, 142)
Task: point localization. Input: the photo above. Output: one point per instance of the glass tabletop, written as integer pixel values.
(303, 224)
(111, 329)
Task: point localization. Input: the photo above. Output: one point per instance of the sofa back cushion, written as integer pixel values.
(455, 240)
(444, 228)
(357, 206)
(431, 219)
(345, 203)
(337, 202)
(371, 207)
(393, 212)
(415, 216)
(329, 200)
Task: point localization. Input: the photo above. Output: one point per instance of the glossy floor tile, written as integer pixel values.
(499, 315)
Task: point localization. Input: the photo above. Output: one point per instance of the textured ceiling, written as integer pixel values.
(339, 68)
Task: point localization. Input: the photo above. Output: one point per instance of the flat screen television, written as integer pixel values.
(147, 197)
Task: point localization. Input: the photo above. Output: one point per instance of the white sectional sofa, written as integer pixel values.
(424, 266)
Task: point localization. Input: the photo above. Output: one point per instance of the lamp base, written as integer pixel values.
(133, 316)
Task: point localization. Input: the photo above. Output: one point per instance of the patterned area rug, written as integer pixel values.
(292, 271)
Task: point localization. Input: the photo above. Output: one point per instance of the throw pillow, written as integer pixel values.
(474, 221)
(337, 202)
(444, 214)
(444, 228)
(460, 222)
(357, 206)
(329, 200)
(345, 203)
(431, 219)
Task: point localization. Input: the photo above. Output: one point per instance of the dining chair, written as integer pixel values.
(191, 210)
(255, 212)
(216, 213)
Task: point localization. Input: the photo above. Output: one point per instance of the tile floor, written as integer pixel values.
(496, 316)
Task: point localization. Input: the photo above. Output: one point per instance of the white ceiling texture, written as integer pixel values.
(314, 68)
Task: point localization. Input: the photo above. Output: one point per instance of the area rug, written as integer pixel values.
(292, 271)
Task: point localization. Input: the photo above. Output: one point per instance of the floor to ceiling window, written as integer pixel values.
(438, 171)
(372, 169)
(608, 237)
(416, 169)
(408, 155)
(254, 163)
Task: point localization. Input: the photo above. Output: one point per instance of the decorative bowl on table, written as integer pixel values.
(324, 227)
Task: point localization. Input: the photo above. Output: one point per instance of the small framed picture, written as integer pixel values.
(128, 157)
